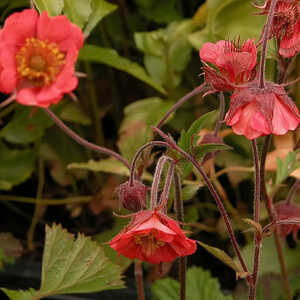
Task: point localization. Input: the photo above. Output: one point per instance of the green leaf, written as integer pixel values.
(200, 285)
(53, 7)
(269, 260)
(186, 137)
(16, 166)
(72, 112)
(228, 19)
(159, 11)
(108, 165)
(26, 126)
(75, 265)
(107, 235)
(78, 11)
(222, 256)
(20, 295)
(286, 167)
(111, 58)
(100, 9)
(135, 129)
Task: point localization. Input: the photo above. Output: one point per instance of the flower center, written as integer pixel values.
(148, 242)
(39, 61)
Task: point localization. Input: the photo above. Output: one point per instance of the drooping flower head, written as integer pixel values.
(132, 196)
(153, 237)
(287, 211)
(256, 112)
(37, 57)
(285, 25)
(235, 63)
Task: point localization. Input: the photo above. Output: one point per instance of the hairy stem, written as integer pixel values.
(180, 102)
(215, 195)
(221, 114)
(84, 142)
(263, 54)
(138, 273)
(165, 193)
(138, 154)
(180, 217)
(256, 211)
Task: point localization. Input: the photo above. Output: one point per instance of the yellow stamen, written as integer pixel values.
(148, 242)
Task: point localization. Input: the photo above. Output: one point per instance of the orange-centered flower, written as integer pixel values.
(37, 57)
(153, 237)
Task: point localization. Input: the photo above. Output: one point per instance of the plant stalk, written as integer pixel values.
(84, 142)
(138, 273)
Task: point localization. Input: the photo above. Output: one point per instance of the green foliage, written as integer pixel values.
(16, 166)
(72, 112)
(189, 138)
(6, 6)
(111, 58)
(200, 285)
(72, 266)
(86, 14)
(286, 167)
(100, 9)
(166, 52)
(53, 7)
(159, 11)
(136, 128)
(228, 19)
(26, 126)
(20, 295)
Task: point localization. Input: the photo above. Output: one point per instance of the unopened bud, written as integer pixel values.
(133, 197)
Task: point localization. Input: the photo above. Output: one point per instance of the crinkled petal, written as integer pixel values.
(20, 26)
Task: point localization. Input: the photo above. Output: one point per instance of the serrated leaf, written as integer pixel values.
(75, 265)
(222, 256)
(78, 11)
(53, 7)
(186, 136)
(26, 126)
(200, 285)
(73, 112)
(16, 166)
(108, 165)
(111, 58)
(100, 9)
(20, 295)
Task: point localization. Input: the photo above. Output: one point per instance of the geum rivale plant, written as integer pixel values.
(37, 68)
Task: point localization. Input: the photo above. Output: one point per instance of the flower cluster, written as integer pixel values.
(37, 57)
(255, 111)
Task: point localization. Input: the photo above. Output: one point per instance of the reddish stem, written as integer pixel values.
(138, 273)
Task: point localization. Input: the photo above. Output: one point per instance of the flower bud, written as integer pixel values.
(133, 197)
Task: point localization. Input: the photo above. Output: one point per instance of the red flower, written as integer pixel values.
(255, 112)
(153, 237)
(37, 57)
(290, 44)
(235, 63)
(287, 211)
(285, 25)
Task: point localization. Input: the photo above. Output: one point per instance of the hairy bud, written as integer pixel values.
(133, 197)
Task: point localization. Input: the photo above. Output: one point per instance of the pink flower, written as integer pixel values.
(37, 57)
(153, 237)
(234, 62)
(257, 112)
(287, 211)
(290, 44)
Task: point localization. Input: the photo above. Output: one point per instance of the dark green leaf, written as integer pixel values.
(200, 285)
(73, 112)
(20, 295)
(16, 166)
(111, 58)
(100, 9)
